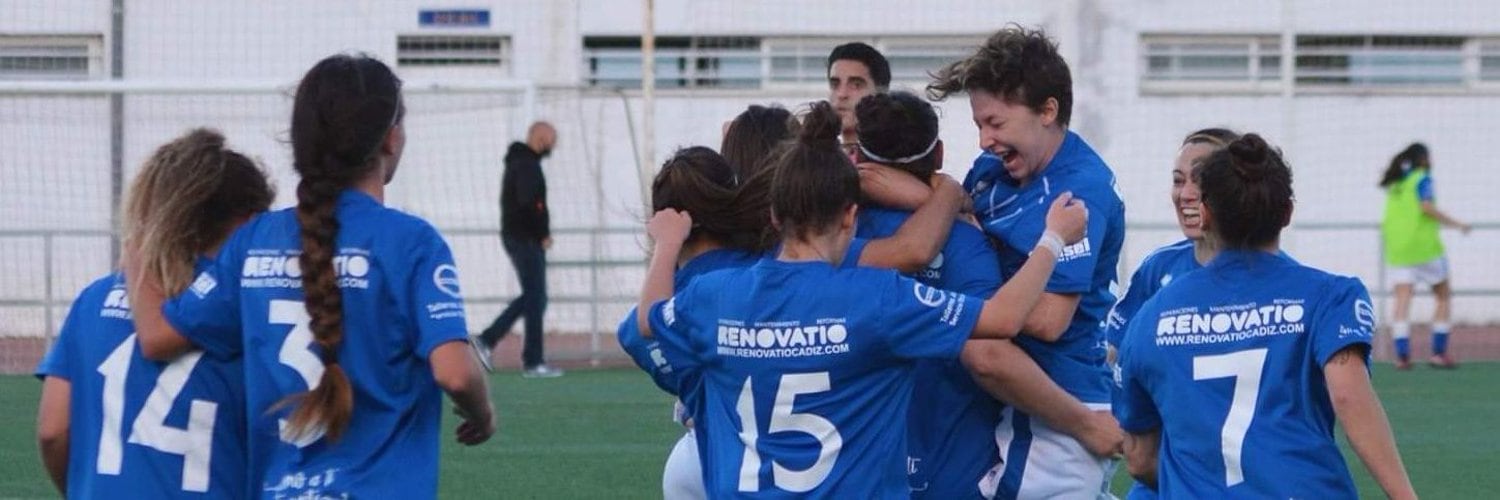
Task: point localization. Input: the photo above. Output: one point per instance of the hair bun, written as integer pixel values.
(1248, 155)
(821, 125)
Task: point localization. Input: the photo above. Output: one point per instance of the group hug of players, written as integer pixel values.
(837, 318)
(840, 320)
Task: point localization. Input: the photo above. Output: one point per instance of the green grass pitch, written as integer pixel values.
(605, 434)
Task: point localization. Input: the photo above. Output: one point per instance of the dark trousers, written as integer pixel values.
(530, 261)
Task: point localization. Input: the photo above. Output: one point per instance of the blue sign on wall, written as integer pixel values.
(462, 18)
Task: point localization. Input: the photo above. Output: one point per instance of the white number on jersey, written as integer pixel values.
(296, 354)
(1245, 367)
(195, 443)
(784, 420)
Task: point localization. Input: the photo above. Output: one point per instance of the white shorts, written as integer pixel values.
(1041, 462)
(682, 477)
(1431, 272)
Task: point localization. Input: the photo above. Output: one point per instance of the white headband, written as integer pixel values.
(907, 159)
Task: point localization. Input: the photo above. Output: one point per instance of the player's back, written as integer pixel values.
(400, 300)
(952, 420)
(806, 371)
(1230, 358)
(152, 429)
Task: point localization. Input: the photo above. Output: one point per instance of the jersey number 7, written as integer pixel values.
(1245, 367)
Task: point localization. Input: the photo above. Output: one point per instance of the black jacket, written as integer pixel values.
(523, 195)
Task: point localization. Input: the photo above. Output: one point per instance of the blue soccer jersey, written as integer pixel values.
(806, 371)
(401, 300)
(139, 427)
(1234, 354)
(950, 433)
(1016, 215)
(1158, 269)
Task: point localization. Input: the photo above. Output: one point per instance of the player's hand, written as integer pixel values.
(1104, 438)
(547, 243)
(1465, 228)
(472, 430)
(670, 225)
(1068, 217)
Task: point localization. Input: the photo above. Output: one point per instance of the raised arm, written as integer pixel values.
(158, 339)
(1006, 313)
(1009, 375)
(669, 229)
(1359, 411)
(922, 236)
(891, 187)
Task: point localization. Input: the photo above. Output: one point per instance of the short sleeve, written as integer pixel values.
(1119, 317)
(432, 294)
(59, 360)
(1347, 318)
(1075, 267)
(651, 356)
(208, 312)
(976, 266)
(1424, 189)
(673, 358)
(855, 251)
(921, 322)
(1134, 408)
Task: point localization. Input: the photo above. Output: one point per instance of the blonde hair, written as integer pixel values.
(185, 199)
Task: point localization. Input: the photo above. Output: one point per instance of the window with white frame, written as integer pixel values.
(681, 62)
(754, 62)
(453, 50)
(1489, 60)
(1210, 59)
(1380, 61)
(52, 57)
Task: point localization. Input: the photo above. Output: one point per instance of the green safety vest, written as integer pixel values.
(1411, 237)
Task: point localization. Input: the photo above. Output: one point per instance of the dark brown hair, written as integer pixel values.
(753, 135)
(346, 105)
(899, 125)
(1248, 190)
(1411, 158)
(1019, 65)
(814, 182)
(700, 182)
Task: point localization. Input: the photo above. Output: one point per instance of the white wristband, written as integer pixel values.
(1052, 242)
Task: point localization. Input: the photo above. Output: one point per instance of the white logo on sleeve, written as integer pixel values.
(928, 296)
(669, 311)
(446, 279)
(1364, 313)
(204, 284)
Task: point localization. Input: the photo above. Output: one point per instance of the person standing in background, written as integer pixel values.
(526, 232)
(1409, 229)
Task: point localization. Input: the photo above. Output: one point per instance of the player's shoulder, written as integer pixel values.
(1168, 255)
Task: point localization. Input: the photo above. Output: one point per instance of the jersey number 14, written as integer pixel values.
(194, 443)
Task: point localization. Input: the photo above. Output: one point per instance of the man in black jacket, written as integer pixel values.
(525, 230)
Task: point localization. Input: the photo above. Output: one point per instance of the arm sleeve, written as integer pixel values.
(651, 355)
(1135, 409)
(431, 295)
(1119, 317)
(920, 321)
(208, 312)
(58, 362)
(977, 269)
(1347, 318)
(856, 250)
(1075, 267)
(674, 360)
(1424, 189)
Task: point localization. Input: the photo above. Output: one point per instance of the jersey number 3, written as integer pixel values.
(195, 443)
(784, 420)
(295, 354)
(1245, 367)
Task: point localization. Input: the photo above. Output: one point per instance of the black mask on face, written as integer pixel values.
(544, 153)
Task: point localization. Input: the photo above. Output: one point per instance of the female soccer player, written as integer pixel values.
(952, 420)
(1171, 261)
(1414, 252)
(786, 330)
(348, 313)
(1233, 375)
(103, 422)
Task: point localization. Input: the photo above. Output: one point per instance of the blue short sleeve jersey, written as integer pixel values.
(1158, 269)
(401, 300)
(1424, 189)
(951, 425)
(153, 429)
(1228, 364)
(1016, 216)
(806, 371)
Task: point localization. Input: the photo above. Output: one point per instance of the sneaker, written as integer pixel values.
(1403, 363)
(542, 371)
(482, 351)
(1442, 362)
